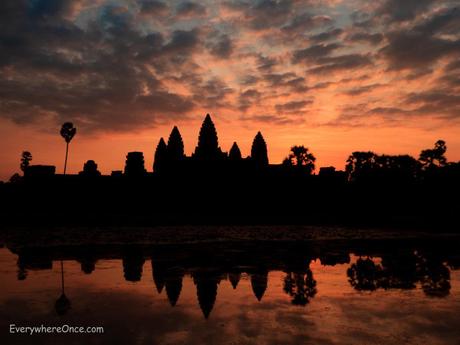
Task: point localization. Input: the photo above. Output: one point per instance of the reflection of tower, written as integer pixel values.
(206, 289)
(132, 266)
(259, 281)
(234, 278)
(87, 264)
(173, 285)
(158, 274)
(62, 304)
(169, 276)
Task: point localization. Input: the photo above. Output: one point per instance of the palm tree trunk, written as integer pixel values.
(66, 154)
(62, 276)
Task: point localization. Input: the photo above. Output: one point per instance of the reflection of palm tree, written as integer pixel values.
(301, 286)
(68, 131)
(173, 286)
(62, 304)
(158, 274)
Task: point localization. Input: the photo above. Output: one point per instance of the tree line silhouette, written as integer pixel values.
(215, 186)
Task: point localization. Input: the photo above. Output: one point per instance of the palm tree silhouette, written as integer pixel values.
(68, 131)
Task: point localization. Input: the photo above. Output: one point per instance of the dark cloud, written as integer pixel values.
(433, 103)
(183, 41)
(436, 103)
(326, 35)
(265, 63)
(425, 43)
(453, 65)
(292, 106)
(221, 47)
(248, 98)
(297, 84)
(356, 91)
(153, 7)
(412, 49)
(249, 79)
(341, 63)
(302, 23)
(262, 14)
(276, 79)
(446, 22)
(396, 10)
(271, 119)
(106, 76)
(451, 80)
(389, 111)
(190, 9)
(374, 38)
(419, 73)
(314, 53)
(207, 92)
(289, 80)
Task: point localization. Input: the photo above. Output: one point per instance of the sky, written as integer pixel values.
(336, 76)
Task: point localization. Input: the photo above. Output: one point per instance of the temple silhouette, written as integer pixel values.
(215, 186)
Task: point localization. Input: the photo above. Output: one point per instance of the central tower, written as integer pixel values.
(208, 145)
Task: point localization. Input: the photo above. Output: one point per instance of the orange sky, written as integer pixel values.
(336, 76)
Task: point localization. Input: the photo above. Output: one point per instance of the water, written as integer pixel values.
(315, 293)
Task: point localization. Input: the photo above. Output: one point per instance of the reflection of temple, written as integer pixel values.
(208, 265)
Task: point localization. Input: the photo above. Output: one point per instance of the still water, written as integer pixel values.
(234, 293)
